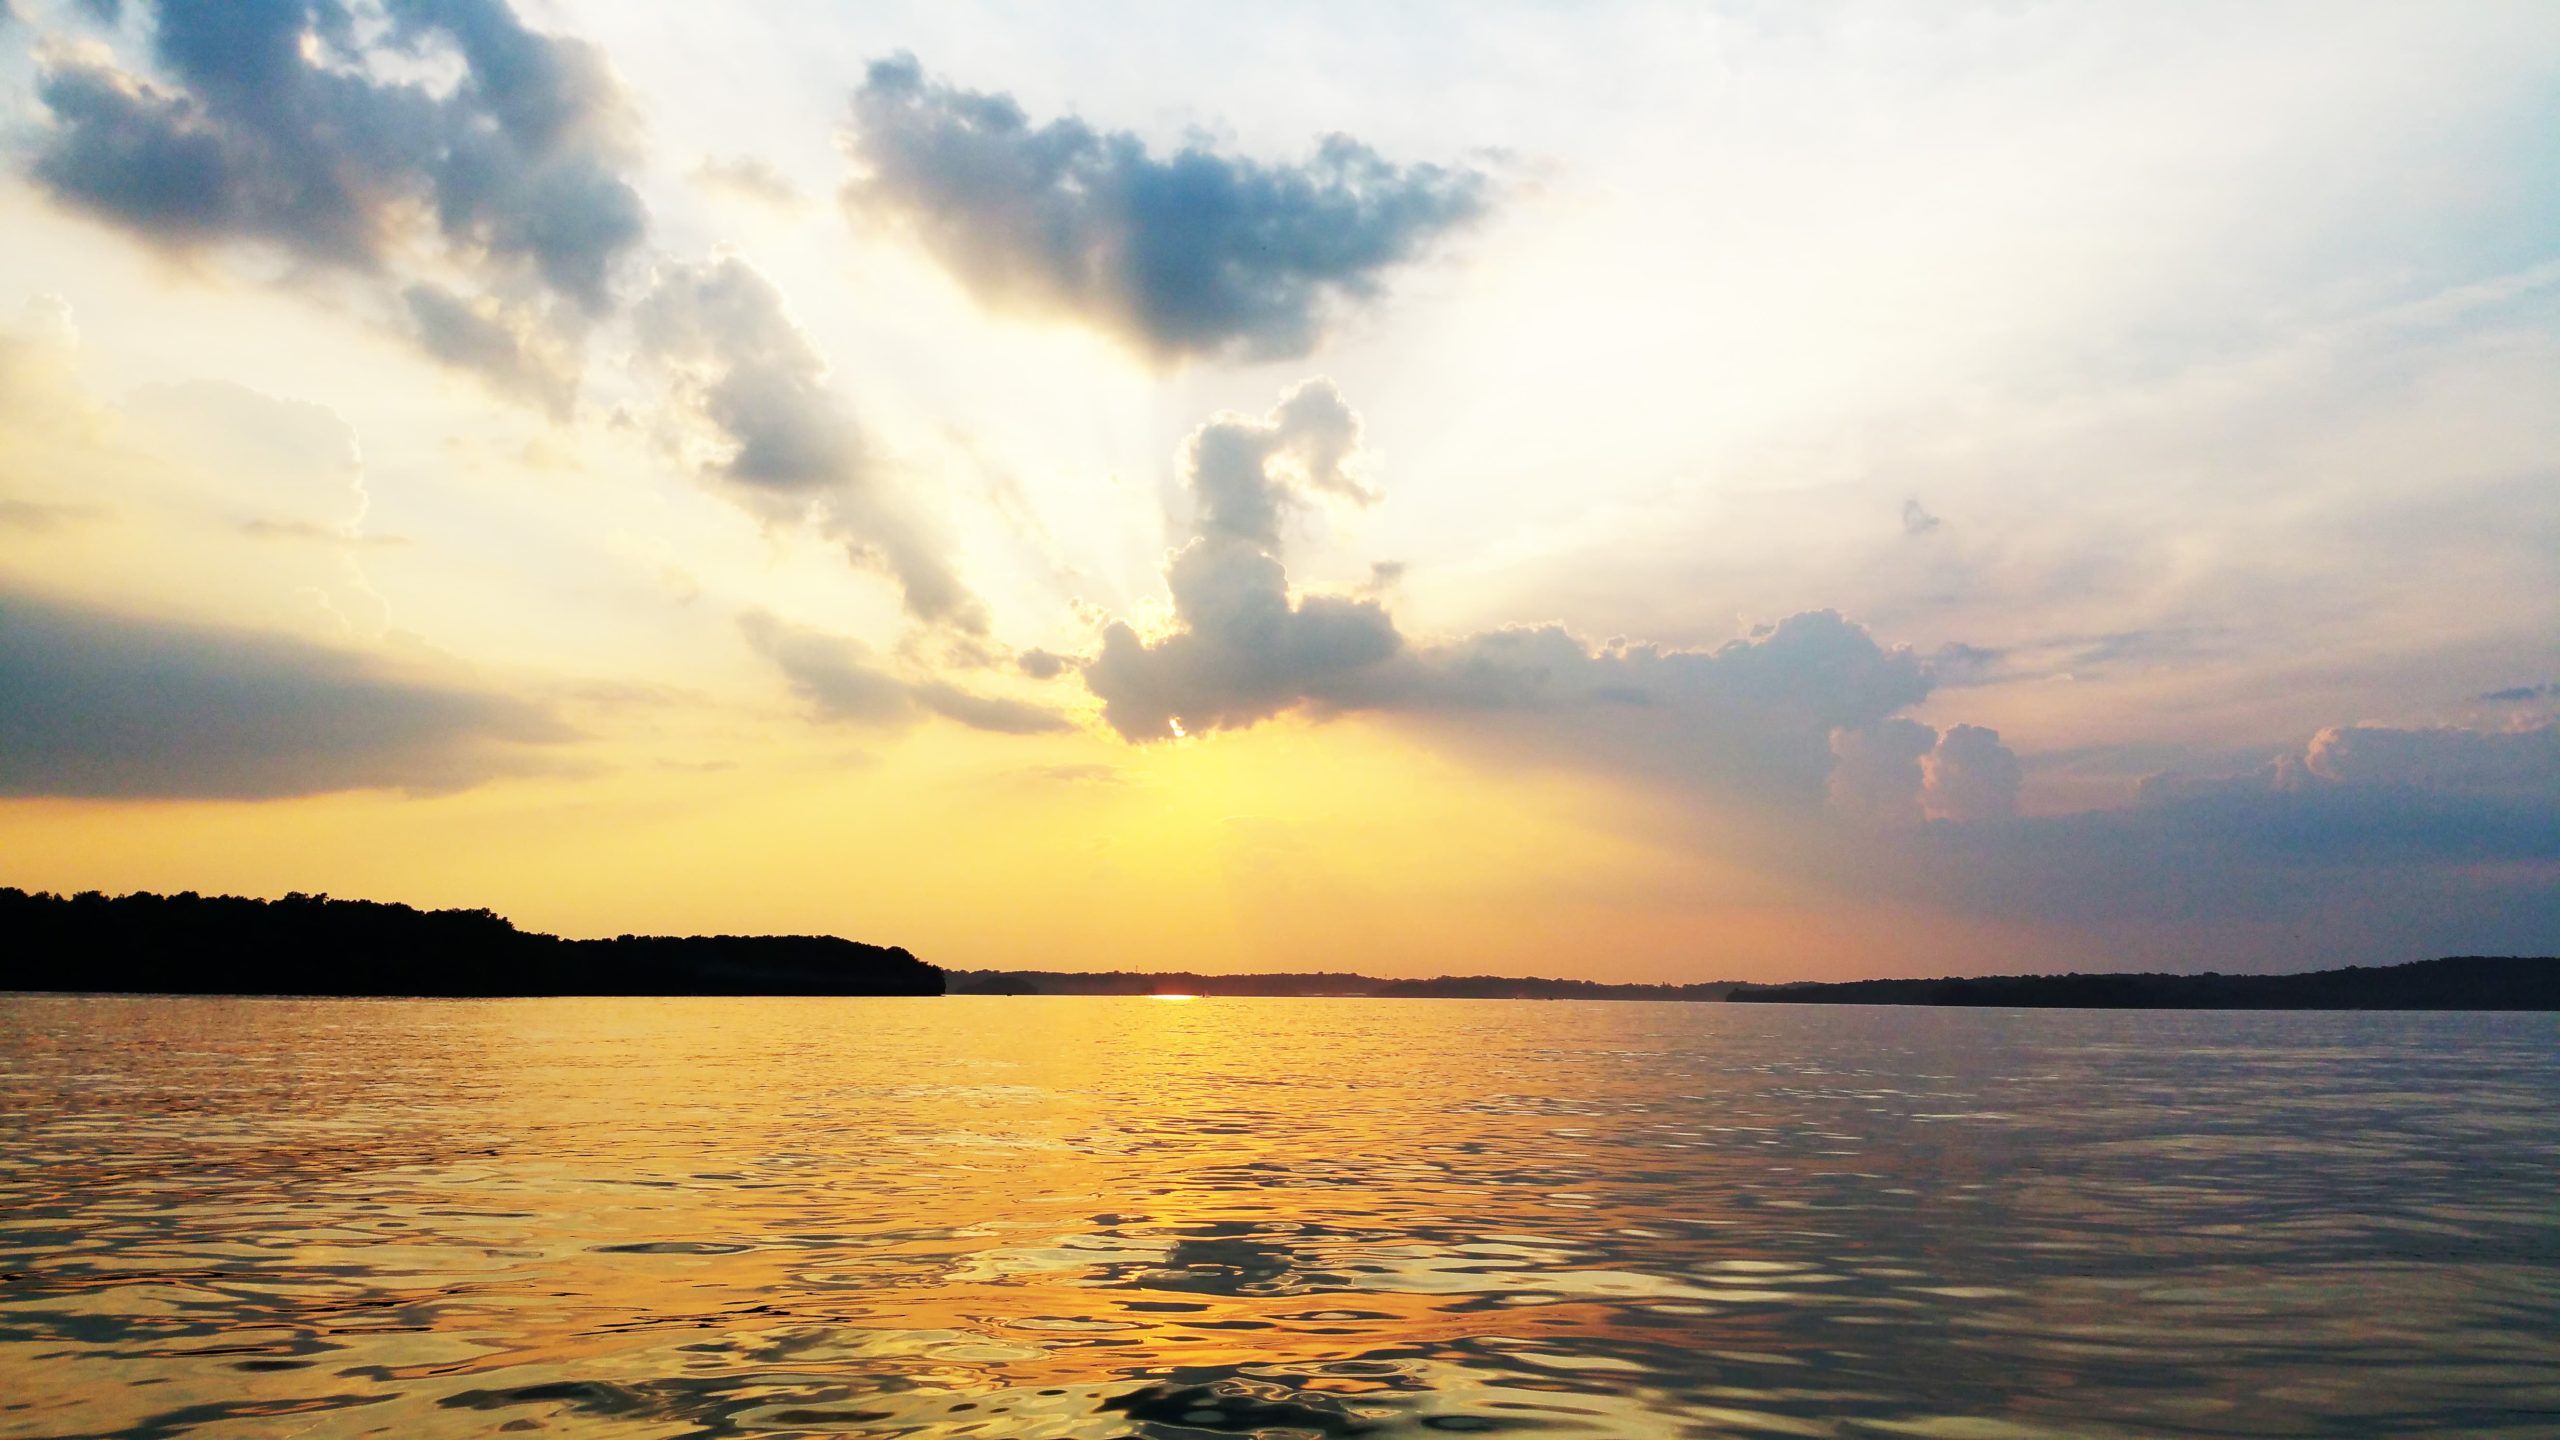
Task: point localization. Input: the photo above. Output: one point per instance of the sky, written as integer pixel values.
(1620, 491)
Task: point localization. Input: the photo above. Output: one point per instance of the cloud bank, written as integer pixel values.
(105, 705)
(1194, 253)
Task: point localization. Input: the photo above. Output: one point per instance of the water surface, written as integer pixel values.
(1085, 1217)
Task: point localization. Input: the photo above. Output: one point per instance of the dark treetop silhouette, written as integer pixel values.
(193, 944)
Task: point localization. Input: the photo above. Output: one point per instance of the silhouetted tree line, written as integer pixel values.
(190, 944)
(1312, 983)
(2461, 982)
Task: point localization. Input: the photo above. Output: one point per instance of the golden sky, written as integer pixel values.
(1636, 494)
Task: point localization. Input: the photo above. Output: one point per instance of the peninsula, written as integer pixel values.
(193, 944)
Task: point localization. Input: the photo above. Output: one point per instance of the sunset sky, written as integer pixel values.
(1630, 492)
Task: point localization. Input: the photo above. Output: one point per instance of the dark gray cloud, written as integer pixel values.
(794, 452)
(1042, 665)
(504, 348)
(263, 123)
(1192, 253)
(2519, 695)
(269, 122)
(97, 704)
(1754, 718)
(842, 681)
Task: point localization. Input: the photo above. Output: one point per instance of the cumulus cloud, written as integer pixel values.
(1754, 718)
(1896, 773)
(1970, 775)
(99, 704)
(1245, 472)
(1193, 253)
(273, 126)
(841, 680)
(792, 452)
(280, 124)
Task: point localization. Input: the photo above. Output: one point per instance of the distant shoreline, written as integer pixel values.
(318, 946)
(2460, 982)
(1317, 985)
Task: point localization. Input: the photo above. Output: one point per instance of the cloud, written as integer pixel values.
(1916, 520)
(504, 347)
(273, 127)
(1970, 775)
(2365, 844)
(99, 704)
(792, 452)
(2518, 694)
(842, 681)
(2444, 759)
(1753, 718)
(289, 125)
(1042, 665)
(1190, 254)
(1245, 651)
(985, 712)
(1245, 473)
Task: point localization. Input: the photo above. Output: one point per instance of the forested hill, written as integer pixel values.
(313, 945)
(2463, 982)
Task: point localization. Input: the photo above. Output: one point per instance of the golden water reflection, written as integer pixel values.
(1064, 1217)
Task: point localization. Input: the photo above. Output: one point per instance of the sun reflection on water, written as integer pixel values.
(1054, 1217)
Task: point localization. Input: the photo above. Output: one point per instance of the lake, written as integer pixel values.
(1088, 1217)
